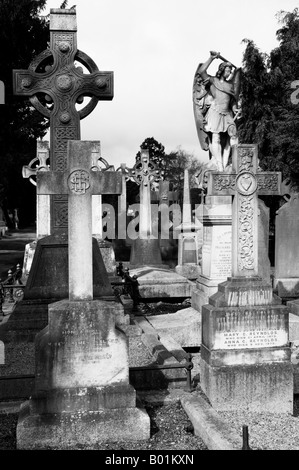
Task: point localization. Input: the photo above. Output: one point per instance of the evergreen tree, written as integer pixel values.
(23, 35)
(270, 117)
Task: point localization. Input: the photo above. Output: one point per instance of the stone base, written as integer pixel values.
(257, 387)
(82, 393)
(287, 288)
(190, 271)
(108, 255)
(161, 283)
(145, 252)
(293, 327)
(80, 430)
(203, 290)
(183, 326)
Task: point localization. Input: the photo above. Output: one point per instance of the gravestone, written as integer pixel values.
(82, 394)
(2, 92)
(245, 353)
(2, 353)
(39, 163)
(3, 227)
(286, 280)
(145, 249)
(56, 75)
(188, 240)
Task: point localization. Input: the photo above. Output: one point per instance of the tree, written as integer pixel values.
(23, 35)
(270, 117)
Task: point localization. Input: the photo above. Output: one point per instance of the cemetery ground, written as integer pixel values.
(175, 424)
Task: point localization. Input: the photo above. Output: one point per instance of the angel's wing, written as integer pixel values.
(237, 82)
(200, 97)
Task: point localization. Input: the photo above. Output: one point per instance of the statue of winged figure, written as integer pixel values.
(215, 105)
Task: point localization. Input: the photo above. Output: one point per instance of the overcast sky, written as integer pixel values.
(153, 47)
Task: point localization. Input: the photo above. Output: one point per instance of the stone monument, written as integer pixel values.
(55, 74)
(145, 249)
(2, 92)
(286, 279)
(188, 252)
(82, 394)
(245, 353)
(39, 163)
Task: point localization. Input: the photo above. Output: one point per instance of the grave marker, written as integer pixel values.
(245, 353)
(82, 394)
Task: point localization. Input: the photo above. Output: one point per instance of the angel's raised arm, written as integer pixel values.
(202, 68)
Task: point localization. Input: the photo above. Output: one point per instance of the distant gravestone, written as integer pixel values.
(286, 281)
(145, 250)
(2, 93)
(2, 354)
(188, 241)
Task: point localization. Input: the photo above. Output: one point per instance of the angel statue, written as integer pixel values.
(215, 104)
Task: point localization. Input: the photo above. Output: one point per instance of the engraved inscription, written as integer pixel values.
(254, 328)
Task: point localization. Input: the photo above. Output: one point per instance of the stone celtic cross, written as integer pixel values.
(80, 181)
(144, 173)
(54, 75)
(245, 183)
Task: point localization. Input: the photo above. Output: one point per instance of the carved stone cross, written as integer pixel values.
(80, 181)
(144, 173)
(245, 182)
(54, 75)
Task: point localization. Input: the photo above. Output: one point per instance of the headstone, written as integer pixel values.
(2, 353)
(286, 280)
(245, 352)
(2, 92)
(106, 248)
(39, 163)
(216, 248)
(188, 240)
(3, 227)
(63, 85)
(82, 393)
(145, 249)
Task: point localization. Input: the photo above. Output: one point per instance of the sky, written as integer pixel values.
(154, 47)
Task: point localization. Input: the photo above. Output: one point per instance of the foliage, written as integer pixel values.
(172, 165)
(23, 35)
(270, 117)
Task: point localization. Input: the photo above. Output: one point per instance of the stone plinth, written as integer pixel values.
(161, 283)
(82, 393)
(286, 280)
(216, 249)
(50, 284)
(145, 252)
(2, 353)
(184, 326)
(245, 353)
(108, 255)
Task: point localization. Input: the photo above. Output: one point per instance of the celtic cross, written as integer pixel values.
(54, 78)
(144, 173)
(79, 182)
(245, 183)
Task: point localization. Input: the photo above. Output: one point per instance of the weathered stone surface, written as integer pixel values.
(249, 387)
(2, 353)
(145, 253)
(161, 283)
(286, 280)
(81, 381)
(183, 326)
(80, 429)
